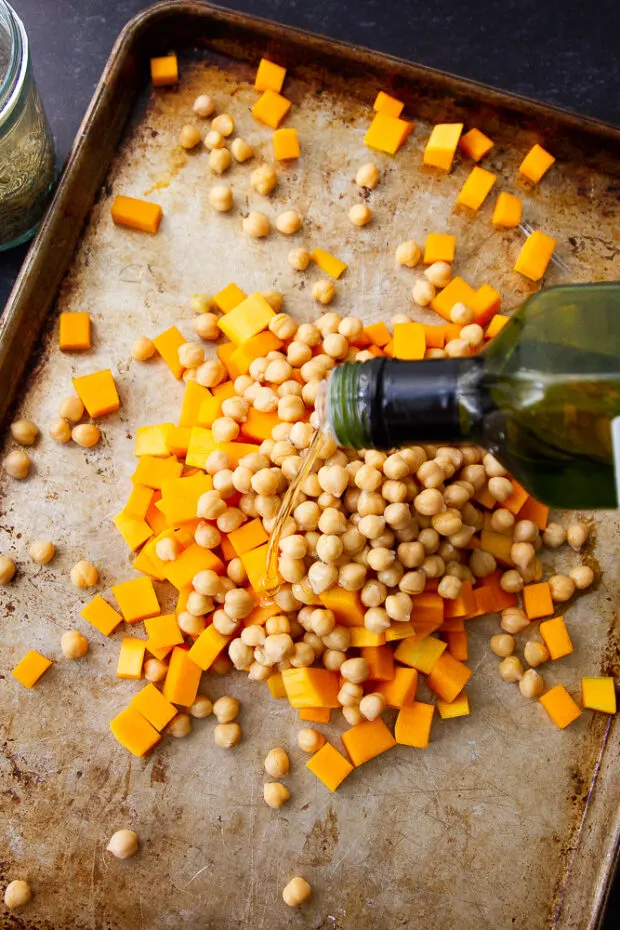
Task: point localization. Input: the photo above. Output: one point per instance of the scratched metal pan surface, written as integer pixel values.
(504, 821)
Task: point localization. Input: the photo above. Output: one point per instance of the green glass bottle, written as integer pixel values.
(543, 397)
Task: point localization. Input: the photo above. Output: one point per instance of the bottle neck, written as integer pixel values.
(388, 403)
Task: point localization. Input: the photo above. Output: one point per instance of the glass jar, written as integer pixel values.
(26, 146)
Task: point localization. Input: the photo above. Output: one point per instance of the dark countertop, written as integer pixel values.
(564, 53)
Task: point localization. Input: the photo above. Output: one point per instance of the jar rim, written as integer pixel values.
(13, 81)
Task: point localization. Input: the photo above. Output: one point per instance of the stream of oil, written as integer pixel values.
(271, 582)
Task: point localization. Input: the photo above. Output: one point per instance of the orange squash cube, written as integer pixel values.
(207, 647)
(409, 341)
(556, 638)
(329, 766)
(457, 291)
(560, 706)
(98, 393)
(387, 133)
(442, 144)
(286, 144)
(346, 605)
(476, 188)
(74, 332)
(496, 325)
(380, 662)
(247, 319)
(168, 344)
(599, 694)
(183, 678)
(163, 631)
(136, 599)
(401, 690)
(164, 70)
(448, 677)
(420, 655)
(439, 247)
(537, 600)
(103, 617)
(475, 144)
(134, 732)
(271, 108)
(311, 687)
(30, 668)
(366, 740)
(315, 714)
(384, 103)
(269, 76)
(459, 707)
(535, 255)
(136, 213)
(328, 263)
(485, 304)
(508, 211)
(276, 686)
(249, 536)
(153, 706)
(536, 163)
(229, 297)
(413, 725)
(130, 658)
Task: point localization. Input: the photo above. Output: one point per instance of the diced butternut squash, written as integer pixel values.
(387, 133)
(135, 532)
(346, 605)
(413, 725)
(138, 502)
(457, 291)
(475, 144)
(311, 687)
(427, 608)
(315, 714)
(485, 304)
(439, 247)
(448, 677)
(207, 647)
(508, 211)
(178, 440)
(249, 536)
(560, 706)
(409, 341)
(401, 689)
(378, 333)
(136, 599)
(225, 353)
(98, 393)
(399, 630)
(168, 344)
(536, 163)
(462, 605)
(556, 637)
(537, 600)
(130, 658)
(261, 614)
(30, 668)
(496, 325)
(328, 263)
(164, 70)
(476, 188)
(74, 332)
(271, 108)
(515, 502)
(137, 214)
(459, 707)
(155, 518)
(442, 144)
(180, 496)
(100, 615)
(421, 655)
(134, 732)
(247, 319)
(153, 472)
(152, 440)
(286, 144)
(498, 544)
(255, 564)
(163, 631)
(329, 766)
(599, 694)
(153, 706)
(269, 76)
(435, 336)
(229, 297)
(361, 637)
(257, 347)
(536, 512)
(535, 255)
(192, 399)
(276, 686)
(457, 644)
(384, 103)
(182, 679)
(366, 740)
(192, 560)
(258, 425)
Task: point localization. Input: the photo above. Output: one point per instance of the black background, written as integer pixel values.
(565, 52)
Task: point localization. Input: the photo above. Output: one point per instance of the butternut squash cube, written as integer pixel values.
(508, 211)
(536, 163)
(459, 707)
(30, 668)
(130, 658)
(269, 76)
(138, 501)
(384, 103)
(387, 133)
(378, 333)
(476, 188)
(152, 440)
(485, 304)
(180, 496)
(192, 399)
(100, 615)
(258, 425)
(556, 638)
(400, 630)
(256, 347)
(401, 689)
(537, 600)
(163, 631)
(286, 144)
(182, 679)
(247, 319)
(137, 214)
(560, 706)
(271, 108)
(153, 706)
(439, 247)
(311, 687)
(134, 732)
(413, 725)
(409, 341)
(361, 637)
(178, 440)
(475, 144)
(599, 694)
(380, 662)
(328, 263)
(315, 714)
(207, 647)
(420, 655)
(249, 536)
(457, 291)
(98, 393)
(496, 325)
(168, 344)
(276, 686)
(448, 677)
(346, 605)
(134, 531)
(442, 144)
(192, 560)
(153, 472)
(329, 766)
(366, 740)
(535, 255)
(164, 70)
(255, 564)
(136, 599)
(229, 297)
(74, 332)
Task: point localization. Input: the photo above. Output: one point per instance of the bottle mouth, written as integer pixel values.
(12, 70)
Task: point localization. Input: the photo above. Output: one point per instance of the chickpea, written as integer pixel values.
(226, 709)
(310, 740)
(258, 672)
(277, 763)
(461, 314)
(168, 549)
(457, 348)
(263, 179)
(583, 576)
(203, 106)
(576, 535)
(531, 684)
(473, 334)
(429, 502)
(500, 488)
(18, 893)
(189, 137)
(522, 554)
(84, 575)
(511, 669)
(554, 536)
(223, 124)
(24, 432)
(514, 620)
(227, 735)
(42, 551)
(221, 666)
(290, 408)
(360, 214)
(355, 670)
(240, 656)
(275, 794)
(450, 587)
(17, 464)
(256, 224)
(367, 176)
(180, 726)
(205, 326)
(398, 606)
(511, 581)
(221, 198)
(351, 577)
(333, 659)
(242, 150)
(339, 639)
(322, 577)
(219, 160)
(398, 516)
(502, 521)
(297, 892)
(371, 526)
(562, 587)
(323, 291)
(192, 624)
(439, 273)
(381, 558)
(73, 644)
(155, 670)
(423, 292)
(275, 299)
(201, 708)
(409, 254)
(376, 620)
(335, 345)
(502, 644)
(288, 222)
(350, 694)
(239, 603)
(123, 844)
(60, 431)
(535, 653)
(447, 523)
(413, 582)
(368, 478)
(482, 563)
(86, 435)
(210, 373)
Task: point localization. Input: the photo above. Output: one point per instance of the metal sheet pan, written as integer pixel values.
(504, 821)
